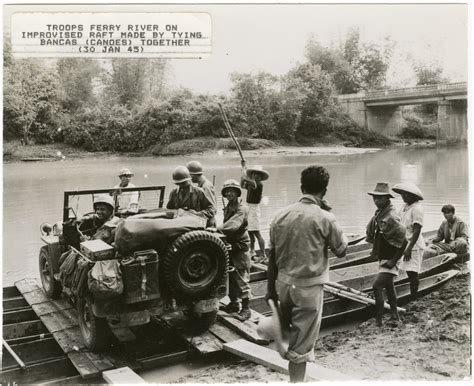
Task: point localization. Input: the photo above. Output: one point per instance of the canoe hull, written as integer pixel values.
(337, 311)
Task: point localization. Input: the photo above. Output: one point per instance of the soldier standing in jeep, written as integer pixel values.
(197, 176)
(235, 228)
(189, 197)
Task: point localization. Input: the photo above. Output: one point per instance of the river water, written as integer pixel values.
(33, 192)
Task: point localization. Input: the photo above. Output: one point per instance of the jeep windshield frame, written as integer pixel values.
(72, 193)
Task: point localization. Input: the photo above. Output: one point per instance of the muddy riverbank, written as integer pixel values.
(13, 151)
(432, 343)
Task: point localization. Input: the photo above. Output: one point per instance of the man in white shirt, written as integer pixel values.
(127, 202)
(411, 216)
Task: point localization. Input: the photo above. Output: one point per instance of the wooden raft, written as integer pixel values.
(60, 319)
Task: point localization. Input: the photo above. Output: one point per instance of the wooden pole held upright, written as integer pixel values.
(229, 130)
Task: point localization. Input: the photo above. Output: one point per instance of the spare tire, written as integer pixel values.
(194, 263)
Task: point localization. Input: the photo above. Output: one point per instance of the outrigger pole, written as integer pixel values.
(13, 354)
(229, 130)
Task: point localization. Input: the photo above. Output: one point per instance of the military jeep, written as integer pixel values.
(167, 262)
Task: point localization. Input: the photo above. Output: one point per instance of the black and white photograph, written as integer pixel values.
(236, 193)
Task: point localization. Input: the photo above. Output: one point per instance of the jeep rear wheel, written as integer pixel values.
(95, 331)
(51, 286)
(194, 263)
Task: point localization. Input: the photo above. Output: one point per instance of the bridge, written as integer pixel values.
(380, 110)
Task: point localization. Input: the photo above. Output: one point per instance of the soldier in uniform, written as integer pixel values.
(102, 224)
(189, 197)
(300, 235)
(235, 228)
(197, 176)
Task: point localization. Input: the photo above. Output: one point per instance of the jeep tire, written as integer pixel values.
(194, 264)
(51, 286)
(95, 331)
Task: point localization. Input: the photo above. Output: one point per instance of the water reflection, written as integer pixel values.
(33, 193)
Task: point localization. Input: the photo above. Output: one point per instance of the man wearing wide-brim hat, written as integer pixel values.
(387, 235)
(411, 215)
(126, 201)
(252, 181)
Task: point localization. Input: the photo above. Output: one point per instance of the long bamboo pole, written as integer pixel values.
(357, 298)
(345, 288)
(229, 130)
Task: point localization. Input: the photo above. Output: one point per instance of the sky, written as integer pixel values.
(272, 37)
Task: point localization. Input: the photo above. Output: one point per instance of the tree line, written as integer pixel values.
(126, 105)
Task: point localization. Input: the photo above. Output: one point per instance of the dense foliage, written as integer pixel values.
(354, 66)
(125, 105)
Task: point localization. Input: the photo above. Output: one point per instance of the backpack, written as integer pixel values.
(79, 282)
(105, 279)
(68, 262)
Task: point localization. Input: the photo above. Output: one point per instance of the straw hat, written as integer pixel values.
(381, 189)
(258, 169)
(408, 187)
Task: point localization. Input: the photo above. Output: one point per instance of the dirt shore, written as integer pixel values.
(13, 151)
(432, 343)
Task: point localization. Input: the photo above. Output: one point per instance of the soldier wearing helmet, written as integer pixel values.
(126, 201)
(235, 228)
(197, 176)
(188, 197)
(102, 224)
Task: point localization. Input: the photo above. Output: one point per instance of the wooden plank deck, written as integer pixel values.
(247, 329)
(271, 359)
(204, 343)
(60, 319)
(122, 376)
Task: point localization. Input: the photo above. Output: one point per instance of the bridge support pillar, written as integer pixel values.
(386, 120)
(452, 121)
(356, 110)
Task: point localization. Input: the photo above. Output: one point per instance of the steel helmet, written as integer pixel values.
(181, 174)
(231, 184)
(194, 167)
(104, 199)
(125, 172)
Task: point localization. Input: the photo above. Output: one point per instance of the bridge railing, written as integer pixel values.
(408, 91)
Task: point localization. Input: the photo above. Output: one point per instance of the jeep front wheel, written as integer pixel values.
(194, 263)
(51, 286)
